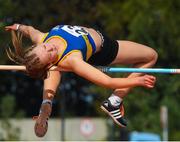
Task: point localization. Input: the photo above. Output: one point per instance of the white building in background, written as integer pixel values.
(76, 129)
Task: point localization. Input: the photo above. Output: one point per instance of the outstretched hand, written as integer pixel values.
(147, 81)
(13, 27)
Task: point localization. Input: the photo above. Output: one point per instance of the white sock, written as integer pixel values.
(115, 100)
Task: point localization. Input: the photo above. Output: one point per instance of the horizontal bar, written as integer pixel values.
(12, 67)
(21, 68)
(140, 70)
(104, 69)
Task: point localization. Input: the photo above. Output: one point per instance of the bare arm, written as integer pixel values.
(92, 74)
(51, 84)
(50, 87)
(35, 35)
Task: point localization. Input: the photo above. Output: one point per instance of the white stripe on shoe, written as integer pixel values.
(115, 111)
(116, 114)
(117, 122)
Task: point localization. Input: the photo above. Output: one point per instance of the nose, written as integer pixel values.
(51, 48)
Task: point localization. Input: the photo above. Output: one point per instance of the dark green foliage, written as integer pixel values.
(151, 22)
(8, 110)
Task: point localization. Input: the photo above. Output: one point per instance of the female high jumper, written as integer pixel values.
(77, 49)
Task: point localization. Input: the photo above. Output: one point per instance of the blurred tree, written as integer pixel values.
(6, 8)
(7, 107)
(43, 17)
(154, 23)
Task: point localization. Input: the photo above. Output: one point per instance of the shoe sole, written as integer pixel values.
(104, 109)
(42, 132)
(38, 125)
(41, 125)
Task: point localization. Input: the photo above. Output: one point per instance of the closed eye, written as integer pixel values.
(50, 56)
(49, 49)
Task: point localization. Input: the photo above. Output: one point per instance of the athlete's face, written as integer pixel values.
(47, 53)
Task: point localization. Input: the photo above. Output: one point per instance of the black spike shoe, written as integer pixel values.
(116, 113)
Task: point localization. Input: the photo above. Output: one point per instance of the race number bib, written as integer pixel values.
(74, 30)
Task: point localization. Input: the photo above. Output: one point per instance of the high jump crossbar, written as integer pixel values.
(104, 69)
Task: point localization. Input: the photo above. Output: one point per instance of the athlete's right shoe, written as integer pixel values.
(116, 113)
(41, 125)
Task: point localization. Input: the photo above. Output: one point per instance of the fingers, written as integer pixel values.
(11, 27)
(149, 85)
(7, 28)
(149, 81)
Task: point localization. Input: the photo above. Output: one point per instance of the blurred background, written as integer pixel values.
(152, 114)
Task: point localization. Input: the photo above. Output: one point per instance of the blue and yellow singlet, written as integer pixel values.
(75, 39)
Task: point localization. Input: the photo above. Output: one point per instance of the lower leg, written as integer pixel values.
(138, 55)
(129, 53)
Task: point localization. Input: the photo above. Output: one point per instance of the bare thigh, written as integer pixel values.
(134, 53)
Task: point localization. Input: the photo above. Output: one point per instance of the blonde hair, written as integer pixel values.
(34, 68)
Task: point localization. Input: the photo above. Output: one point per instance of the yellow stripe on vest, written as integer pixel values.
(65, 43)
(46, 34)
(68, 55)
(89, 47)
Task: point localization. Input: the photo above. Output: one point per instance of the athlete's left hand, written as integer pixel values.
(147, 81)
(13, 27)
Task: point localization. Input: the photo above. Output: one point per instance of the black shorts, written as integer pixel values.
(107, 54)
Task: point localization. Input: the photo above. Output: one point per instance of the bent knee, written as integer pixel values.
(154, 56)
(151, 56)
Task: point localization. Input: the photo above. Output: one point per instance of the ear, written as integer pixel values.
(49, 66)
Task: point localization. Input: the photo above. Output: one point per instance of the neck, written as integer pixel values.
(60, 46)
